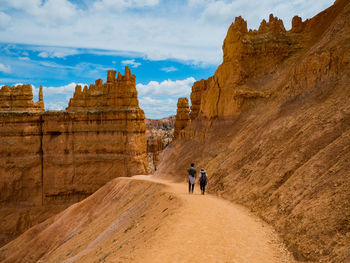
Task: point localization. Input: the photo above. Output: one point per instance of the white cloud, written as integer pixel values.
(166, 88)
(169, 69)
(4, 20)
(50, 12)
(157, 29)
(55, 52)
(56, 105)
(219, 12)
(121, 4)
(57, 98)
(43, 55)
(158, 108)
(131, 62)
(5, 68)
(24, 58)
(67, 90)
(194, 3)
(159, 99)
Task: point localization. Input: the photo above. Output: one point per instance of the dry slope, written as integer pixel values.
(133, 220)
(274, 134)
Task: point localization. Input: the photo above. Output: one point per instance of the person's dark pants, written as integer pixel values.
(202, 186)
(190, 187)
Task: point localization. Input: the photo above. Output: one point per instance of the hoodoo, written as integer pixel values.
(116, 94)
(182, 116)
(52, 159)
(20, 99)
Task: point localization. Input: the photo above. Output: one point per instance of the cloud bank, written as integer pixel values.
(191, 30)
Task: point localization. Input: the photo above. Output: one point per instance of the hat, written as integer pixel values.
(203, 171)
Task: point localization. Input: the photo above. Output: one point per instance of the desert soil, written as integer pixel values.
(209, 229)
(145, 219)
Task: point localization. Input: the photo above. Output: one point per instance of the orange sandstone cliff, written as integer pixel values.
(272, 128)
(20, 98)
(52, 159)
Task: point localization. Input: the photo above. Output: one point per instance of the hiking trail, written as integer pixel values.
(209, 229)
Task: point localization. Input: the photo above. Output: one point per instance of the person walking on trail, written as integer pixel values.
(191, 178)
(203, 180)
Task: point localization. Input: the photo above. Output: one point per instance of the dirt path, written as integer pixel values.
(209, 229)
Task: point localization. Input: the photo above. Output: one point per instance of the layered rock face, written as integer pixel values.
(20, 99)
(276, 118)
(116, 93)
(53, 159)
(182, 116)
(252, 58)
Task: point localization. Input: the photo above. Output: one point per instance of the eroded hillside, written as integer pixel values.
(120, 218)
(50, 160)
(272, 128)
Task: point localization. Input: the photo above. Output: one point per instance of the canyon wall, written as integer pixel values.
(272, 128)
(52, 159)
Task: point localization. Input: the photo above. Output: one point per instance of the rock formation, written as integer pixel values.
(166, 124)
(162, 128)
(116, 93)
(276, 117)
(182, 116)
(155, 146)
(20, 99)
(53, 159)
(159, 134)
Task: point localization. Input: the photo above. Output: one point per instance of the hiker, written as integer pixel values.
(203, 179)
(191, 178)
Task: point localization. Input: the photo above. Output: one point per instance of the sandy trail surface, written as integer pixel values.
(209, 229)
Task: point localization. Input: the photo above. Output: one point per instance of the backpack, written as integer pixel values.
(203, 178)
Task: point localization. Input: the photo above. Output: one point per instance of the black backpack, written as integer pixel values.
(203, 178)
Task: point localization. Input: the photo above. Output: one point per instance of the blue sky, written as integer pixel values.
(167, 44)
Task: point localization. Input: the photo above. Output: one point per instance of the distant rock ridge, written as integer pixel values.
(155, 146)
(20, 99)
(116, 93)
(159, 134)
(49, 160)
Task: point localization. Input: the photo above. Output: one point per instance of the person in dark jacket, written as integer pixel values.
(191, 178)
(203, 180)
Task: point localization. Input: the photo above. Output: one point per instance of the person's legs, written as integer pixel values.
(192, 188)
(203, 187)
(189, 186)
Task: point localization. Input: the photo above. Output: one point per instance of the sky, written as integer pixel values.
(167, 44)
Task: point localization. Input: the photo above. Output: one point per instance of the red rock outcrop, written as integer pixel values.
(161, 124)
(182, 116)
(276, 118)
(163, 128)
(20, 98)
(116, 93)
(52, 159)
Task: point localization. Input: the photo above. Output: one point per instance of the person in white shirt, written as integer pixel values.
(191, 178)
